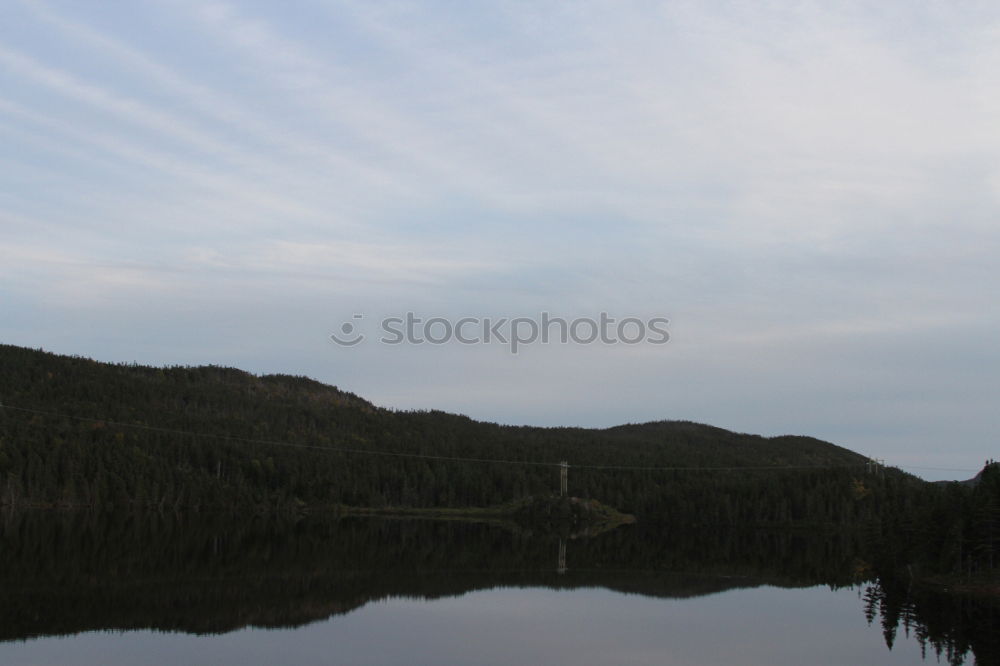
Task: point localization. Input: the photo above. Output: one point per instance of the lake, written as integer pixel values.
(93, 589)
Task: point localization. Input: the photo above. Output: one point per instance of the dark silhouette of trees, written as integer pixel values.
(130, 437)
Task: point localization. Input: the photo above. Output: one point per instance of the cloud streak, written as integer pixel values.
(810, 193)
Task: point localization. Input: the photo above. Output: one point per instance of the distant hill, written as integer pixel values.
(974, 481)
(100, 434)
(76, 433)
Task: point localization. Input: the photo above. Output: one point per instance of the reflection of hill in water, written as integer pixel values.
(70, 572)
(66, 573)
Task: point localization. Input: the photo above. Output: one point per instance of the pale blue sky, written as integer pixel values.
(810, 193)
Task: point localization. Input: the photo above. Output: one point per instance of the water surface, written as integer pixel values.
(82, 589)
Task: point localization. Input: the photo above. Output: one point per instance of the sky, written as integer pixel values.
(809, 192)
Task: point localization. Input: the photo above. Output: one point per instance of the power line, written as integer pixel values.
(938, 469)
(270, 442)
(420, 456)
(715, 469)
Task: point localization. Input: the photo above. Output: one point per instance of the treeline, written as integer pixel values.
(219, 438)
(943, 529)
(105, 436)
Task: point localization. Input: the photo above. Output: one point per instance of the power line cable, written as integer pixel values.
(938, 469)
(421, 456)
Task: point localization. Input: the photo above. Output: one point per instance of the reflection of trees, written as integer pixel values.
(950, 626)
(80, 571)
(70, 572)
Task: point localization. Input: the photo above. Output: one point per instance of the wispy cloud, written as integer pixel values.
(231, 113)
(802, 189)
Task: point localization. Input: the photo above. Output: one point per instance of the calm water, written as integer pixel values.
(155, 590)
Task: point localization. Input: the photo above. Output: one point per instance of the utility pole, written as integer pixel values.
(563, 477)
(875, 466)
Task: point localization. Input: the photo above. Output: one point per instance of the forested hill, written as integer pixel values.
(210, 437)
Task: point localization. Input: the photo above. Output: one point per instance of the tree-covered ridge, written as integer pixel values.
(205, 438)
(279, 440)
(944, 530)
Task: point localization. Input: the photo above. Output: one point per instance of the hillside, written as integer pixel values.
(103, 434)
